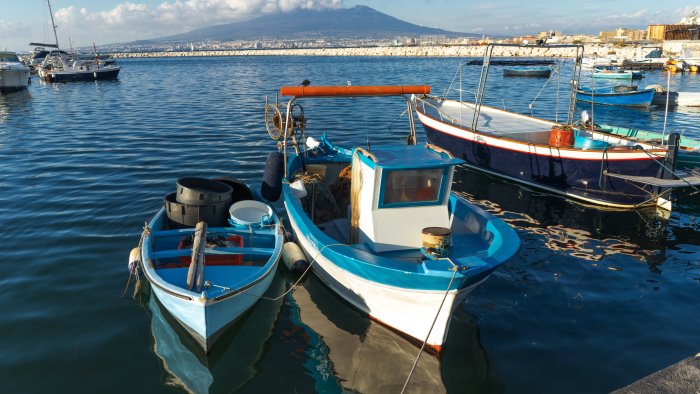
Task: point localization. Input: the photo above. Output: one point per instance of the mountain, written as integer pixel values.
(359, 22)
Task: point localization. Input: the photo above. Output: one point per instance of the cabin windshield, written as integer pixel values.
(403, 187)
(8, 57)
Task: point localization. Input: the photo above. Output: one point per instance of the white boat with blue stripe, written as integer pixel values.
(381, 226)
(210, 254)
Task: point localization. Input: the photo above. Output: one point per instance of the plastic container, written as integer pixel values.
(561, 137)
(189, 215)
(249, 212)
(588, 143)
(200, 191)
(240, 192)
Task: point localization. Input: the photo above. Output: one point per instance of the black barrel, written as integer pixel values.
(240, 192)
(200, 191)
(188, 215)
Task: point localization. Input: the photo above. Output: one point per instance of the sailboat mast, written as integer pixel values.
(53, 24)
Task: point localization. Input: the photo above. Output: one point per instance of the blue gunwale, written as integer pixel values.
(154, 274)
(427, 275)
(607, 96)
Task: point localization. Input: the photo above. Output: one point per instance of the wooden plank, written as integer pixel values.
(651, 181)
(214, 230)
(165, 254)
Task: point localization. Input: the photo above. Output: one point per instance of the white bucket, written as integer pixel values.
(248, 212)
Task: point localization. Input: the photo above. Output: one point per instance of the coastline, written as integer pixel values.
(629, 52)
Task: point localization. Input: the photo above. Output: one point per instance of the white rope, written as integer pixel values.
(420, 352)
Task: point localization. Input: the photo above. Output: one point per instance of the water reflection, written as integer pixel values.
(575, 229)
(367, 357)
(13, 104)
(232, 363)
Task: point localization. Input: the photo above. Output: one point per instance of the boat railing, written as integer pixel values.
(444, 116)
(288, 126)
(488, 54)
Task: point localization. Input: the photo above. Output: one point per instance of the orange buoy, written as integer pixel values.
(671, 68)
(693, 69)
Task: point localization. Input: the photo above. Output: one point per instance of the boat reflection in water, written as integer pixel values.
(367, 357)
(563, 226)
(231, 364)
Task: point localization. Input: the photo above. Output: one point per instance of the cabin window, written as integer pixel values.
(412, 186)
(8, 57)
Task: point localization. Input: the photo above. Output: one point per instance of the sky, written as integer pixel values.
(113, 21)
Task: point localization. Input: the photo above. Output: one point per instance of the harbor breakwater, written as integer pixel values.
(629, 52)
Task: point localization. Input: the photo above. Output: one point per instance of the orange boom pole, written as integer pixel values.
(340, 91)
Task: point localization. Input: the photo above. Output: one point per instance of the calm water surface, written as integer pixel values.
(594, 300)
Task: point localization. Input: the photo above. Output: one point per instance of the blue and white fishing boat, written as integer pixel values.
(381, 227)
(577, 162)
(527, 71)
(209, 254)
(629, 96)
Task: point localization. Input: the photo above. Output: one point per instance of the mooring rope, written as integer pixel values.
(420, 352)
(300, 276)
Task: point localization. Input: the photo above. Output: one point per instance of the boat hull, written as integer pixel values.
(13, 79)
(677, 99)
(206, 320)
(640, 98)
(230, 288)
(543, 72)
(87, 75)
(410, 312)
(577, 174)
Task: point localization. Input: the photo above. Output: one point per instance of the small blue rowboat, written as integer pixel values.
(382, 228)
(527, 71)
(616, 95)
(615, 73)
(210, 254)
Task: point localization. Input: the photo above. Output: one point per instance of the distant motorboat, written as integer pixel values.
(527, 71)
(13, 74)
(59, 66)
(623, 95)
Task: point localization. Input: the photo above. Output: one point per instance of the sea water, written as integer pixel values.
(594, 300)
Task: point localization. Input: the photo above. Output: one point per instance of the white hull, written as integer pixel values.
(681, 99)
(411, 312)
(206, 318)
(13, 77)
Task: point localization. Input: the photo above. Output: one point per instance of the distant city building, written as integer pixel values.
(432, 39)
(673, 32)
(623, 34)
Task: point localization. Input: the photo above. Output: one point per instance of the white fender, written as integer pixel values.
(293, 258)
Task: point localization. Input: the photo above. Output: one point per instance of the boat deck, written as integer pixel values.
(494, 122)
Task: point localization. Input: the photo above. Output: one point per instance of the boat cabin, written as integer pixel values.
(396, 192)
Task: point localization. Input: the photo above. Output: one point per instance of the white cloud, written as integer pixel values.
(132, 21)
